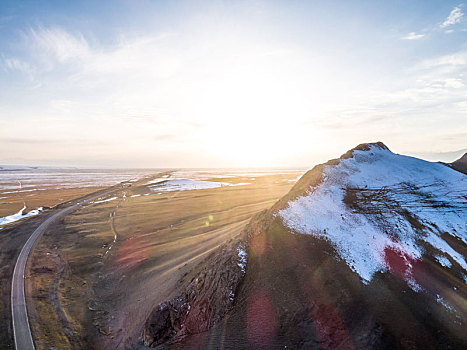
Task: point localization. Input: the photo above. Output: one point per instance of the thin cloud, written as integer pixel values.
(454, 17)
(29, 141)
(457, 59)
(413, 36)
(444, 156)
(18, 65)
(166, 137)
(60, 44)
(453, 83)
(349, 119)
(455, 136)
(55, 141)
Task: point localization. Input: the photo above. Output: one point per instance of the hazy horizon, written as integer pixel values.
(140, 84)
(447, 157)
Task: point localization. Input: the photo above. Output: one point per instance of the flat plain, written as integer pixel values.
(95, 275)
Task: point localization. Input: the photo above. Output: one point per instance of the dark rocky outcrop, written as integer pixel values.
(208, 293)
(460, 164)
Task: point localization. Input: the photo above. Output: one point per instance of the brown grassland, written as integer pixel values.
(96, 274)
(46, 198)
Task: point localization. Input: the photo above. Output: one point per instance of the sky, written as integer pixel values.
(229, 83)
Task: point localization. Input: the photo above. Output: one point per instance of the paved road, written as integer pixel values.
(19, 312)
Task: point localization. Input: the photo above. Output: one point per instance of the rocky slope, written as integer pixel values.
(367, 251)
(460, 164)
(208, 293)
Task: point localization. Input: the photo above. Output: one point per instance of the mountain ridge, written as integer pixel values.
(365, 251)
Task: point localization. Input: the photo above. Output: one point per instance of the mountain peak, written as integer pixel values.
(385, 201)
(368, 146)
(365, 147)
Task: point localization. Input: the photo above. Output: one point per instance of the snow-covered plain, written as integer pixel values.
(32, 179)
(204, 174)
(188, 185)
(380, 210)
(16, 180)
(18, 216)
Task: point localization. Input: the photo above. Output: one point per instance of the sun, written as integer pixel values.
(251, 119)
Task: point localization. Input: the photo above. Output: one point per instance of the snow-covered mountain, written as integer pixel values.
(367, 251)
(383, 211)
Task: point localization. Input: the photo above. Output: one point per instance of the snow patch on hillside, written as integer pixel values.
(378, 209)
(443, 261)
(242, 258)
(104, 200)
(18, 216)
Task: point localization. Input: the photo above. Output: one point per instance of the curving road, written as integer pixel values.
(21, 329)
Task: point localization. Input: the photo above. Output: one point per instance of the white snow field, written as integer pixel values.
(378, 205)
(188, 185)
(18, 216)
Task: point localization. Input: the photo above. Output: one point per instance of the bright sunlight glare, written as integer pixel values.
(225, 84)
